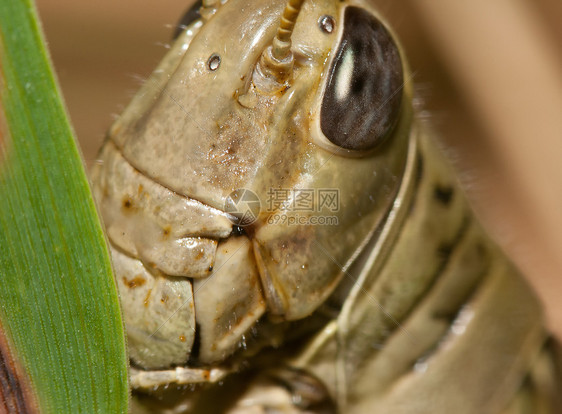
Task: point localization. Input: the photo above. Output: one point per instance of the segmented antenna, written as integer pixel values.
(277, 60)
(281, 47)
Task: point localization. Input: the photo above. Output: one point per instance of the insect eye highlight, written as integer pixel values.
(327, 24)
(361, 101)
(214, 62)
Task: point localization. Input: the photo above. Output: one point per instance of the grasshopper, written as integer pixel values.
(286, 236)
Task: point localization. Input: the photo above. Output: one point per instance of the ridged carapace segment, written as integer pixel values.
(16, 396)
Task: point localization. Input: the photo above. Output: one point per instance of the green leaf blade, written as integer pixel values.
(58, 300)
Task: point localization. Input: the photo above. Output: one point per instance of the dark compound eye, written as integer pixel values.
(189, 17)
(361, 102)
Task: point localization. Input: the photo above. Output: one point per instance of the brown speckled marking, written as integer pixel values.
(166, 232)
(135, 282)
(147, 298)
(443, 194)
(15, 390)
(235, 150)
(127, 203)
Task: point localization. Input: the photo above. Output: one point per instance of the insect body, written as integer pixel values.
(398, 303)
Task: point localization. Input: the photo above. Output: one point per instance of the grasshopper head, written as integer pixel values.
(314, 122)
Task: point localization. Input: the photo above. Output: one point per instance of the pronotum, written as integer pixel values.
(287, 238)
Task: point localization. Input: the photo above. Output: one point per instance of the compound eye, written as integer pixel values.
(361, 101)
(189, 17)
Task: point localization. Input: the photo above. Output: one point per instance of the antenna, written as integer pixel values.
(277, 60)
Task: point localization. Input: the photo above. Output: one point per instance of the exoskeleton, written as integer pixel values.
(286, 237)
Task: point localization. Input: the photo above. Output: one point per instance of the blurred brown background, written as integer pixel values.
(489, 74)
